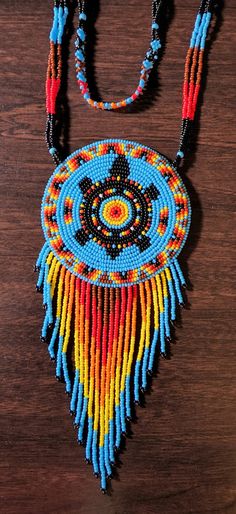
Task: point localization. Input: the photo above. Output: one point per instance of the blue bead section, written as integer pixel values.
(73, 401)
(176, 283)
(45, 326)
(53, 339)
(179, 271)
(79, 404)
(59, 359)
(45, 250)
(200, 31)
(153, 349)
(195, 30)
(45, 286)
(54, 30)
(204, 31)
(136, 381)
(82, 419)
(122, 411)
(172, 300)
(111, 441)
(106, 455)
(166, 316)
(102, 468)
(162, 333)
(127, 397)
(42, 260)
(95, 452)
(62, 16)
(145, 368)
(65, 372)
(88, 451)
(118, 427)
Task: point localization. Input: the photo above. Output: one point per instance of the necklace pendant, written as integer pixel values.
(115, 216)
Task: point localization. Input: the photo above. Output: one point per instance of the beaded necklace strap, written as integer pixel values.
(150, 57)
(192, 72)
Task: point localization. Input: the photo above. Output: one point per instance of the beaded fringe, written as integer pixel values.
(111, 335)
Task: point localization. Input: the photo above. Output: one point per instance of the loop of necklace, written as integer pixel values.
(146, 67)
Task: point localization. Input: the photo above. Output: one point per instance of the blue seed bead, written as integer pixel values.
(155, 45)
(54, 31)
(52, 150)
(79, 54)
(82, 16)
(147, 64)
(155, 26)
(81, 34)
(81, 76)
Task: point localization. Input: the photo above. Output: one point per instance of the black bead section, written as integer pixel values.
(81, 237)
(152, 192)
(113, 252)
(143, 243)
(120, 167)
(163, 355)
(85, 184)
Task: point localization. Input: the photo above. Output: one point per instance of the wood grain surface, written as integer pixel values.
(181, 457)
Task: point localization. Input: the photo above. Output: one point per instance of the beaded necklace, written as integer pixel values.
(115, 216)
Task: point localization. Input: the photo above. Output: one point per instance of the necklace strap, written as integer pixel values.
(147, 65)
(192, 72)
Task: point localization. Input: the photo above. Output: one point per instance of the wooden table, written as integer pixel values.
(181, 456)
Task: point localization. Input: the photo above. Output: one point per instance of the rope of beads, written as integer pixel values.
(193, 73)
(146, 67)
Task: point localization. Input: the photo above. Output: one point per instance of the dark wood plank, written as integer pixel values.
(181, 458)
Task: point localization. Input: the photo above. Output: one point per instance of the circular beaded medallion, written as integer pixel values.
(115, 213)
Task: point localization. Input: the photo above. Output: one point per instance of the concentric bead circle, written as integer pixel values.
(115, 213)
